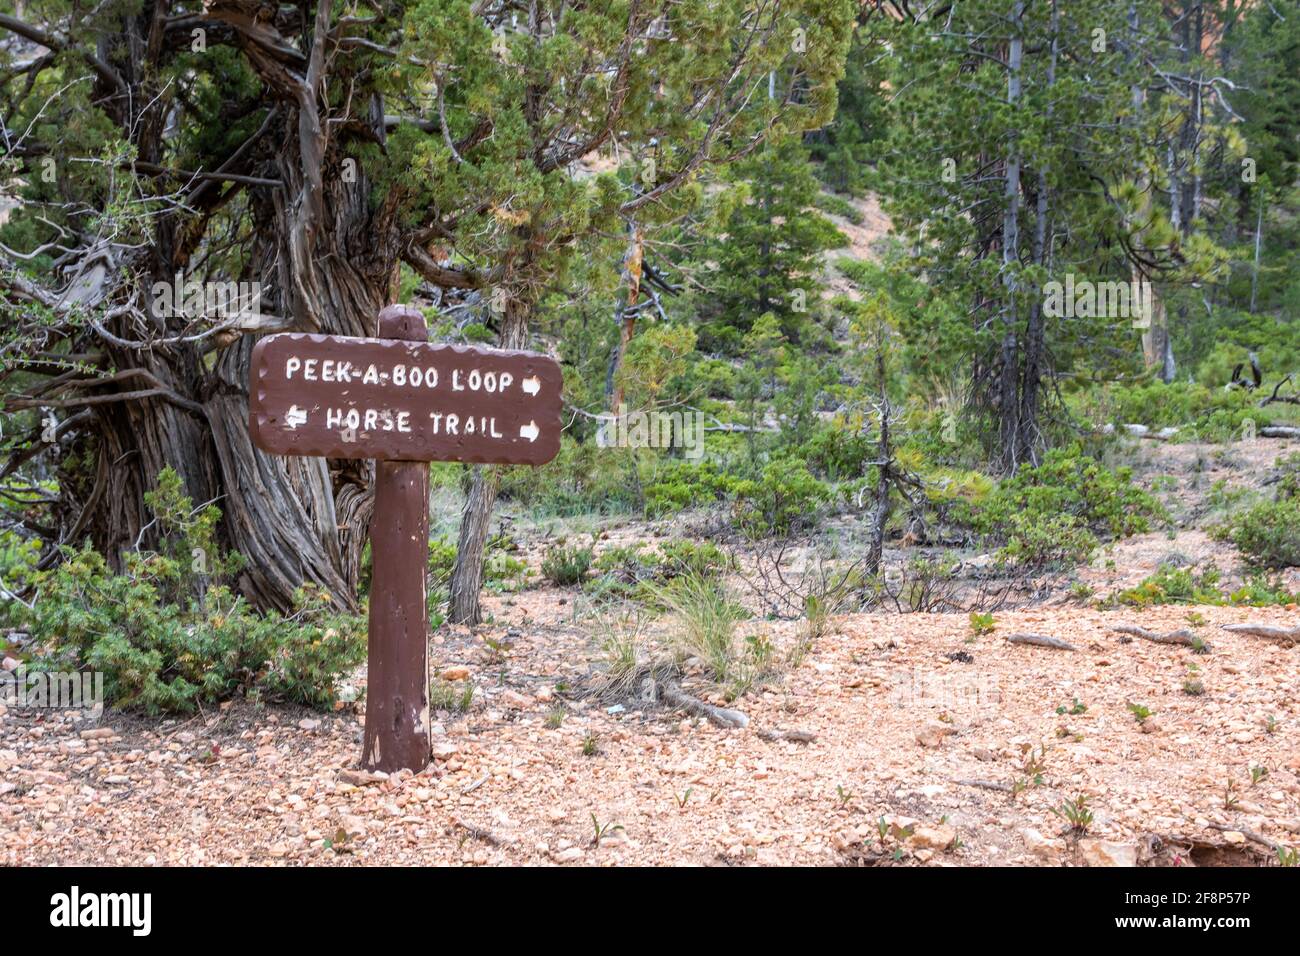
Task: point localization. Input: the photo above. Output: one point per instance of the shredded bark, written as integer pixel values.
(479, 833)
(673, 695)
(1248, 833)
(797, 736)
(1181, 637)
(1269, 631)
(1041, 640)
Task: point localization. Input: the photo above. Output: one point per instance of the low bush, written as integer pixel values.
(678, 485)
(633, 572)
(1103, 502)
(837, 452)
(1267, 534)
(565, 566)
(1197, 411)
(1040, 541)
(680, 556)
(1171, 585)
(784, 499)
(168, 636)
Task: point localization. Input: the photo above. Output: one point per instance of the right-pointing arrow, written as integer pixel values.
(532, 385)
(529, 431)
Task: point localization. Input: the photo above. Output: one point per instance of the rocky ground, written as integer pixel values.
(963, 745)
(900, 739)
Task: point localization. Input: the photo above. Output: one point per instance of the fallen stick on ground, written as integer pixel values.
(1279, 431)
(478, 833)
(798, 736)
(1272, 632)
(986, 785)
(1041, 640)
(674, 696)
(1248, 833)
(1183, 637)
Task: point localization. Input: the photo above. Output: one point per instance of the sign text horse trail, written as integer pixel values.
(403, 402)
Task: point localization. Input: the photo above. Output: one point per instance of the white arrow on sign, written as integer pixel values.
(529, 431)
(295, 417)
(532, 385)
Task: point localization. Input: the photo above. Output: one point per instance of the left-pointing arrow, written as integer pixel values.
(529, 431)
(295, 417)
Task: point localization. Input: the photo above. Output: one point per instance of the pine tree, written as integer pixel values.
(320, 150)
(766, 256)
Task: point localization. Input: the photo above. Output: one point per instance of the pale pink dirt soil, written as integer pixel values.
(904, 730)
(896, 723)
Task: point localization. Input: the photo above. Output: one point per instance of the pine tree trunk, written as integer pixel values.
(626, 316)
(296, 520)
(1010, 425)
(467, 574)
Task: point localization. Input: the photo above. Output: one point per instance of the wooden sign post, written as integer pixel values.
(403, 402)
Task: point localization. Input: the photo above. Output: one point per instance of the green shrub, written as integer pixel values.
(1197, 411)
(583, 479)
(1288, 477)
(681, 557)
(786, 498)
(678, 485)
(18, 558)
(837, 452)
(168, 636)
(633, 572)
(627, 563)
(1038, 540)
(1171, 585)
(1259, 591)
(501, 570)
(442, 559)
(1105, 503)
(564, 566)
(1267, 534)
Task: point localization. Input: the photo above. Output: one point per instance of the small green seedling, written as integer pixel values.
(603, 829)
(1140, 713)
(1230, 797)
(1076, 813)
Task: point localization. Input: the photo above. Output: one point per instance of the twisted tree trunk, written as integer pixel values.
(467, 575)
(323, 260)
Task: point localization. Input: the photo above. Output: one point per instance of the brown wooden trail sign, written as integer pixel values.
(404, 402)
(338, 397)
